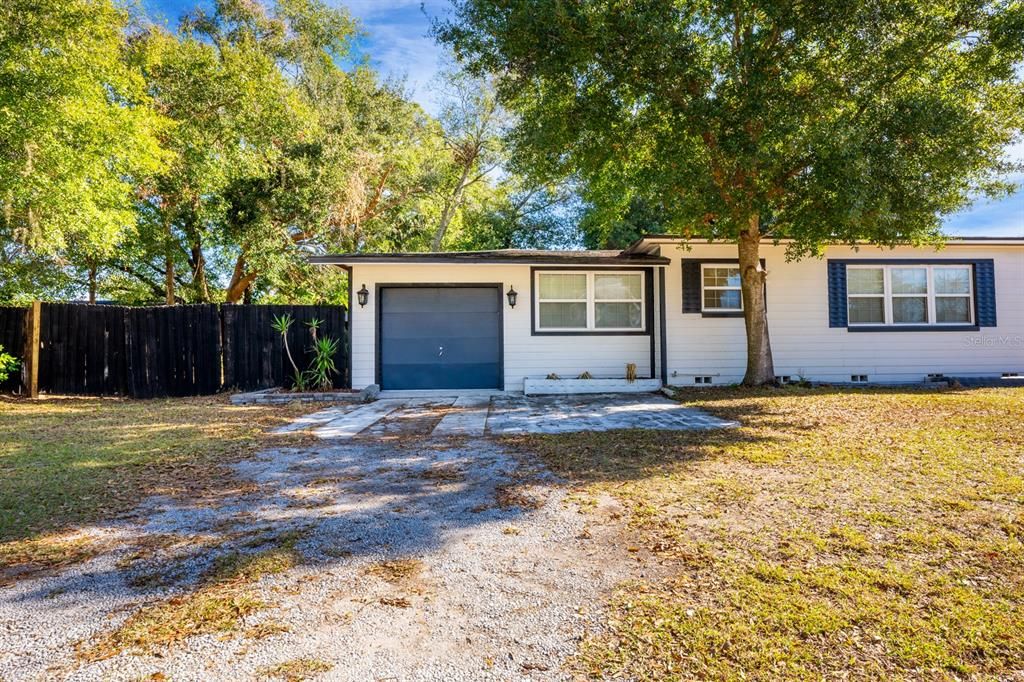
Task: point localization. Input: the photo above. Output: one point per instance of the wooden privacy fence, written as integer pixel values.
(181, 350)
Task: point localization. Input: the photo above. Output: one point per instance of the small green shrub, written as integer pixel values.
(8, 364)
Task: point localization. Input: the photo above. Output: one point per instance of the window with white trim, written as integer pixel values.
(720, 288)
(910, 294)
(589, 301)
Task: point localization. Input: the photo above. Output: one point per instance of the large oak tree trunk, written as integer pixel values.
(240, 281)
(92, 283)
(449, 210)
(760, 367)
(198, 261)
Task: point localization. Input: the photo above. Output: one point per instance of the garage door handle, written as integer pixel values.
(440, 351)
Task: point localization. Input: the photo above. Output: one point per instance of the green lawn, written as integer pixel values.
(77, 460)
(854, 534)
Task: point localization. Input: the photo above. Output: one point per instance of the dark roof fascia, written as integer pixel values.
(950, 241)
(473, 258)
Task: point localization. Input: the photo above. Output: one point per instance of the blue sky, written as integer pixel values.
(397, 43)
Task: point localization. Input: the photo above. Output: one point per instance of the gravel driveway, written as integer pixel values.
(500, 574)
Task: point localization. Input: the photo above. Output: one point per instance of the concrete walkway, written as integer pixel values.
(479, 415)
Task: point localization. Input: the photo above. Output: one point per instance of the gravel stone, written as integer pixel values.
(485, 604)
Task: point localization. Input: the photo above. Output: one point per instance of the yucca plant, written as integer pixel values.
(281, 324)
(322, 369)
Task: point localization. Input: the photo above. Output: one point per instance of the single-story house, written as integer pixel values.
(672, 307)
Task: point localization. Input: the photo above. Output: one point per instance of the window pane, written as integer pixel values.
(867, 310)
(563, 315)
(563, 285)
(952, 309)
(909, 280)
(722, 277)
(618, 315)
(865, 281)
(729, 299)
(910, 310)
(952, 280)
(616, 286)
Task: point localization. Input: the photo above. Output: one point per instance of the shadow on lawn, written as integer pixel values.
(358, 501)
(631, 454)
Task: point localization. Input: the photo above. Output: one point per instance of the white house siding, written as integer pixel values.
(524, 355)
(805, 345)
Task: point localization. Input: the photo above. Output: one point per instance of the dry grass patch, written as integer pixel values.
(396, 602)
(224, 597)
(295, 670)
(855, 534)
(21, 558)
(66, 461)
(516, 495)
(268, 628)
(396, 570)
(443, 473)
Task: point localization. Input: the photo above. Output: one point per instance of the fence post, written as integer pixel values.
(32, 321)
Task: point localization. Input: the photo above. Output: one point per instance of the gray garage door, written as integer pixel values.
(440, 337)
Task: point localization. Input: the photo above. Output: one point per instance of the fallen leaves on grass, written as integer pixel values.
(837, 534)
(77, 460)
(22, 558)
(515, 495)
(443, 473)
(223, 599)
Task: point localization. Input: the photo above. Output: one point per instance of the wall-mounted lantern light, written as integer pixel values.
(363, 295)
(511, 296)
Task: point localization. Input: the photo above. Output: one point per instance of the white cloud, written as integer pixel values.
(398, 42)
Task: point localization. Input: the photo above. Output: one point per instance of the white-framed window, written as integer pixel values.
(909, 294)
(720, 288)
(575, 301)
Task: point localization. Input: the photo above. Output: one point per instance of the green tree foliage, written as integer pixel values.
(76, 132)
(617, 229)
(815, 122)
(208, 161)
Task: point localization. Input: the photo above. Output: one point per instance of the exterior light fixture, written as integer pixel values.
(363, 295)
(511, 296)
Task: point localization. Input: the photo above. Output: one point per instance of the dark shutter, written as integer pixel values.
(985, 292)
(691, 286)
(836, 294)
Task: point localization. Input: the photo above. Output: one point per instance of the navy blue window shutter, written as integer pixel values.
(985, 292)
(691, 286)
(836, 294)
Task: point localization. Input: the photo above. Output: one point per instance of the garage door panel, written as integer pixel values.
(439, 350)
(441, 325)
(440, 337)
(425, 299)
(431, 376)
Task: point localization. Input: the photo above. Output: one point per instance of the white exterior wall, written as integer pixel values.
(524, 355)
(804, 345)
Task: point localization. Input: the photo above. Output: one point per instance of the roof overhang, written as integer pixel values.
(649, 242)
(495, 258)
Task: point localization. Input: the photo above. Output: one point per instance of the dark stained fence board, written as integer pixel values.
(169, 350)
(254, 355)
